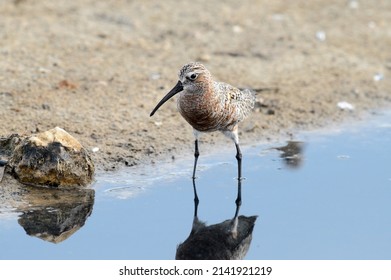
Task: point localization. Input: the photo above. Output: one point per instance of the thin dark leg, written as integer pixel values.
(239, 158)
(238, 200)
(196, 155)
(196, 200)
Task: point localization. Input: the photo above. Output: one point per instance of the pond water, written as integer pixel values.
(323, 195)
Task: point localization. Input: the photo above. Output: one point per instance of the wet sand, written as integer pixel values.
(97, 69)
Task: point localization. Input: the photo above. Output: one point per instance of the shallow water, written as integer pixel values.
(326, 197)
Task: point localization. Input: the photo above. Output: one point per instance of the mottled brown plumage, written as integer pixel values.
(209, 106)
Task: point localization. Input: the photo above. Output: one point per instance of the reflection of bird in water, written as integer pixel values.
(229, 240)
(209, 106)
(292, 153)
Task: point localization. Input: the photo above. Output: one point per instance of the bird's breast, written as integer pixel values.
(204, 112)
(198, 110)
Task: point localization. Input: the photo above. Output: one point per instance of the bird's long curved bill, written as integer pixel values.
(178, 88)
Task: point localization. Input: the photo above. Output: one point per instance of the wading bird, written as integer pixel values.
(209, 106)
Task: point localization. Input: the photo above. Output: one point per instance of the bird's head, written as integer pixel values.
(193, 77)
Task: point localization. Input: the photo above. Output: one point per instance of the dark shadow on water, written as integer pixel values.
(50, 214)
(292, 153)
(228, 240)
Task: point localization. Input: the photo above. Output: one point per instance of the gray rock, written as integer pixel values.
(8, 144)
(52, 158)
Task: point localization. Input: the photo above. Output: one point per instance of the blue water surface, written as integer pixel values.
(328, 199)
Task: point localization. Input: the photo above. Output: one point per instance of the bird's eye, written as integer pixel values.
(193, 76)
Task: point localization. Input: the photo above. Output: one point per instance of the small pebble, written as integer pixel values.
(378, 77)
(103, 83)
(278, 17)
(237, 29)
(45, 106)
(43, 70)
(345, 105)
(155, 76)
(353, 4)
(320, 35)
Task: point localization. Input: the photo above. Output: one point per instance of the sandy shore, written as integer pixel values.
(97, 68)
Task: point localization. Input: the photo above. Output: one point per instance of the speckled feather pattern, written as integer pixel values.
(208, 105)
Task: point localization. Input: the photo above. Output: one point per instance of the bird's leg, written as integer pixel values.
(196, 155)
(238, 200)
(239, 159)
(196, 200)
